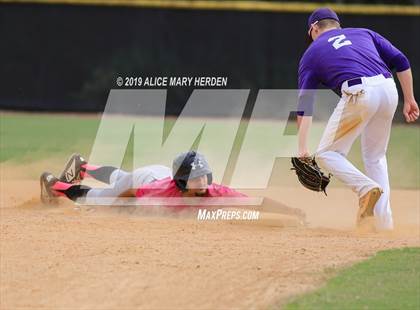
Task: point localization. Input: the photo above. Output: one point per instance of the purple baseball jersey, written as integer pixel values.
(339, 55)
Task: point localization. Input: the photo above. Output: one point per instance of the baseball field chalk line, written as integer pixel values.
(242, 5)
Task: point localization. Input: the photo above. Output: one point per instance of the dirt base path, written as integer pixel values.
(65, 258)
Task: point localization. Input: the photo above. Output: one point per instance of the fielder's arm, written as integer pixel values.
(304, 124)
(411, 109)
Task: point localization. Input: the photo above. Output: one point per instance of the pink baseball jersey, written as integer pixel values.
(167, 188)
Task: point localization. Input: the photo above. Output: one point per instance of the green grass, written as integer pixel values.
(31, 137)
(389, 280)
(28, 137)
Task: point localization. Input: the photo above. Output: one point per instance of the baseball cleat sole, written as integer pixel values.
(367, 204)
(72, 169)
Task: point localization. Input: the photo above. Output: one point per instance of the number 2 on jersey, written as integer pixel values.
(338, 41)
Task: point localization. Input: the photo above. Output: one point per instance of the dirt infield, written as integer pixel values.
(64, 257)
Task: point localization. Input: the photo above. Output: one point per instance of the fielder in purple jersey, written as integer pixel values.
(357, 63)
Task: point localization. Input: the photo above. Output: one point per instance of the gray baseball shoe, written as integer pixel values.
(46, 181)
(73, 171)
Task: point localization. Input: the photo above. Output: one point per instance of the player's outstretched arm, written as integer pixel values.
(270, 205)
(411, 109)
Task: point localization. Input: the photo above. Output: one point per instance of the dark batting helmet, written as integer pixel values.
(190, 165)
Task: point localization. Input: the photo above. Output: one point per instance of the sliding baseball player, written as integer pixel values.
(190, 176)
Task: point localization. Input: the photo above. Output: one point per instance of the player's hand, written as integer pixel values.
(303, 153)
(299, 213)
(411, 110)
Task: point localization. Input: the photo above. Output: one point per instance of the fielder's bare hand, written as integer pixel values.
(411, 110)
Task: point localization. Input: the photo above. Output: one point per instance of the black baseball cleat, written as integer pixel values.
(73, 171)
(46, 181)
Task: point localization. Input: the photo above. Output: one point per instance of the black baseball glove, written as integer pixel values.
(309, 174)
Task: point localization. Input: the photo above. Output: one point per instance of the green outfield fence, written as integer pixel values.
(63, 55)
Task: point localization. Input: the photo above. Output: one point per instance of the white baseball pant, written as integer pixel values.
(366, 109)
(121, 181)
